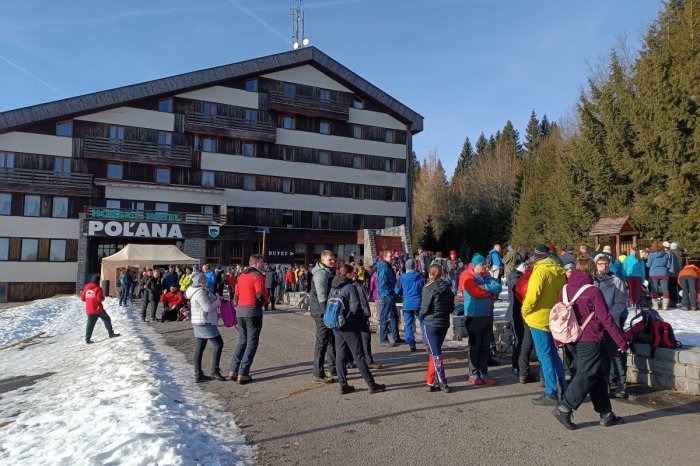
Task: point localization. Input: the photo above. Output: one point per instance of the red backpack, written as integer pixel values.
(647, 327)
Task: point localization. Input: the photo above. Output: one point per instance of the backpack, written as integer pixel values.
(562, 319)
(335, 316)
(647, 327)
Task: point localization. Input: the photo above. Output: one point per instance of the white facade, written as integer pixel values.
(33, 143)
(137, 117)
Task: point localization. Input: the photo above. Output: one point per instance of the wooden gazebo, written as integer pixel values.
(621, 228)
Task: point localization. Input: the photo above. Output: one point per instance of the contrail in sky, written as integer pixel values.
(261, 21)
(34, 77)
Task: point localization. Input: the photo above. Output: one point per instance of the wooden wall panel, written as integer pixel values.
(21, 292)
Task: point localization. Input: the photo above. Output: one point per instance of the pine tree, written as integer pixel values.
(466, 157)
(533, 133)
(511, 138)
(545, 127)
(481, 144)
(430, 241)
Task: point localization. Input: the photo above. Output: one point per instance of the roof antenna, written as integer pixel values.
(297, 14)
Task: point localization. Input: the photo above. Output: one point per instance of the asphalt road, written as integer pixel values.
(293, 420)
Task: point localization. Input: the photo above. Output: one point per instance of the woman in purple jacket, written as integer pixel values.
(589, 378)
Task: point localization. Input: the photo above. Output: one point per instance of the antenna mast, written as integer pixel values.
(297, 14)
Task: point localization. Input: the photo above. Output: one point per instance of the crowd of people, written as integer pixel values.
(432, 288)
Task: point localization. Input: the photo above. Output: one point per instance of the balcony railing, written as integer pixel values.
(48, 182)
(136, 215)
(311, 106)
(221, 125)
(137, 151)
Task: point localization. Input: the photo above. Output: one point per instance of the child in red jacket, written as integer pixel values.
(92, 296)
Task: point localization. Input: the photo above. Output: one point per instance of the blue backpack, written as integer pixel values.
(335, 317)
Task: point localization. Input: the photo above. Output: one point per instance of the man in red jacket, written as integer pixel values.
(172, 301)
(92, 296)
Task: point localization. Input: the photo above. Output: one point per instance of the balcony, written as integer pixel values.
(45, 182)
(310, 106)
(220, 125)
(137, 151)
(134, 215)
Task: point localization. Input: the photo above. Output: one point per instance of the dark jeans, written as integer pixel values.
(170, 313)
(690, 292)
(366, 340)
(387, 318)
(589, 378)
(200, 344)
(673, 290)
(271, 294)
(614, 362)
(123, 294)
(248, 336)
(519, 331)
(350, 339)
(92, 320)
(480, 332)
(525, 351)
(324, 348)
(153, 301)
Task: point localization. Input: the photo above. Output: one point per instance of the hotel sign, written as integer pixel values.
(134, 215)
(133, 229)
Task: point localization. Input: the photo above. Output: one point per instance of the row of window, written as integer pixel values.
(326, 127)
(62, 165)
(32, 205)
(30, 250)
(158, 206)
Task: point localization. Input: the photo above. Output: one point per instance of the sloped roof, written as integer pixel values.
(97, 101)
(613, 226)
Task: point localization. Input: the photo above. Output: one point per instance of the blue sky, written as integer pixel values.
(467, 66)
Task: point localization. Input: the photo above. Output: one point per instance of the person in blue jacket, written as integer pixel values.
(410, 285)
(211, 278)
(635, 275)
(494, 264)
(386, 284)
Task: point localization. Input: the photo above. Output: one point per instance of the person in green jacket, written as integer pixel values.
(547, 280)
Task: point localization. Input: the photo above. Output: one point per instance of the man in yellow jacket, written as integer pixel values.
(547, 280)
(186, 279)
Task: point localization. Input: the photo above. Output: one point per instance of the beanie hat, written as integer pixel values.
(666, 244)
(453, 252)
(541, 251)
(569, 248)
(198, 277)
(477, 259)
(410, 265)
(607, 250)
(95, 279)
(601, 256)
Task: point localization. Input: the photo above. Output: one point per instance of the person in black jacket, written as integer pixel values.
(320, 288)
(271, 285)
(437, 304)
(349, 337)
(152, 291)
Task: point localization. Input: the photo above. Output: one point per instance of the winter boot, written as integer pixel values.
(666, 302)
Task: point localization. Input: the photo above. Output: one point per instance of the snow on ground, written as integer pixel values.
(128, 401)
(685, 324)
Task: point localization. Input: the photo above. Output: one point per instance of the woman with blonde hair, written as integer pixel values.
(437, 304)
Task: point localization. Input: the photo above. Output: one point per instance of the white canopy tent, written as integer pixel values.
(141, 255)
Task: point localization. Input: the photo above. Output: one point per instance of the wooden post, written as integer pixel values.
(617, 245)
(634, 241)
(263, 245)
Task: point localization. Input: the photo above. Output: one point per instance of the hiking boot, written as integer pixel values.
(201, 378)
(387, 343)
(115, 335)
(546, 400)
(412, 349)
(487, 380)
(433, 388)
(527, 379)
(610, 419)
(377, 388)
(374, 365)
(475, 380)
(233, 376)
(345, 389)
(564, 418)
(324, 379)
(621, 393)
(217, 375)
(244, 379)
(89, 342)
(398, 341)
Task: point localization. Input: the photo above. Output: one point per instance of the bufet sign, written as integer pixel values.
(133, 229)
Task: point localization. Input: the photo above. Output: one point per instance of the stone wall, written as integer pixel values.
(195, 247)
(677, 369)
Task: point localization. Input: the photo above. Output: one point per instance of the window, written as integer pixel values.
(324, 157)
(208, 209)
(306, 219)
(236, 252)
(356, 161)
(114, 171)
(61, 166)
(162, 207)
(357, 221)
(357, 191)
(209, 108)
(248, 216)
(5, 203)
(358, 103)
(288, 218)
(389, 136)
(213, 251)
(288, 154)
(165, 105)
(4, 249)
(249, 149)
(388, 222)
(324, 221)
(357, 132)
(324, 94)
(162, 175)
(113, 204)
(318, 249)
(57, 250)
(287, 185)
(288, 122)
(7, 160)
(165, 138)
(209, 144)
(107, 249)
(324, 189)
(249, 182)
(32, 206)
(324, 127)
(251, 85)
(64, 128)
(289, 88)
(30, 249)
(116, 133)
(136, 205)
(251, 116)
(388, 194)
(388, 165)
(207, 178)
(59, 208)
